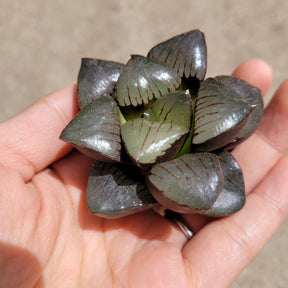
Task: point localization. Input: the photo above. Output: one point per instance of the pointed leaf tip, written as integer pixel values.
(186, 53)
(95, 130)
(232, 197)
(220, 114)
(96, 78)
(252, 96)
(143, 80)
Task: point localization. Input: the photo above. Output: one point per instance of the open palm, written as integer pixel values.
(48, 238)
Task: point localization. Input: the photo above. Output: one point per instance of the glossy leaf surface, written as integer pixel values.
(252, 96)
(143, 80)
(95, 130)
(174, 108)
(232, 197)
(148, 142)
(96, 78)
(173, 142)
(187, 184)
(115, 191)
(220, 114)
(186, 53)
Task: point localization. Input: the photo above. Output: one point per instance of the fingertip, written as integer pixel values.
(64, 101)
(257, 73)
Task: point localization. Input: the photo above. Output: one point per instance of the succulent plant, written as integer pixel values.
(160, 133)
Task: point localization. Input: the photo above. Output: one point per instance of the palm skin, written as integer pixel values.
(48, 238)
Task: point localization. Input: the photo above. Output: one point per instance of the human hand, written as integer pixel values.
(48, 238)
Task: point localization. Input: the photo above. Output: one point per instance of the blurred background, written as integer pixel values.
(42, 43)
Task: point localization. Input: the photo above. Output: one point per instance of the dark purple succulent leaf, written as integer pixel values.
(232, 197)
(149, 142)
(115, 191)
(188, 184)
(95, 130)
(252, 96)
(220, 115)
(143, 80)
(186, 53)
(96, 78)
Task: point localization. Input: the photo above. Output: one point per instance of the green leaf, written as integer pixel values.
(250, 95)
(232, 197)
(115, 191)
(96, 78)
(143, 80)
(174, 108)
(131, 113)
(95, 130)
(149, 142)
(186, 53)
(220, 115)
(187, 184)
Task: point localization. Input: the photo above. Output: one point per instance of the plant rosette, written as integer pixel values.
(160, 133)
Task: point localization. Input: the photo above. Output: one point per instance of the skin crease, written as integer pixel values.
(49, 239)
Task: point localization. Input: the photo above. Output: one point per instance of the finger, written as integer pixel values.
(231, 243)
(256, 72)
(30, 140)
(263, 149)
